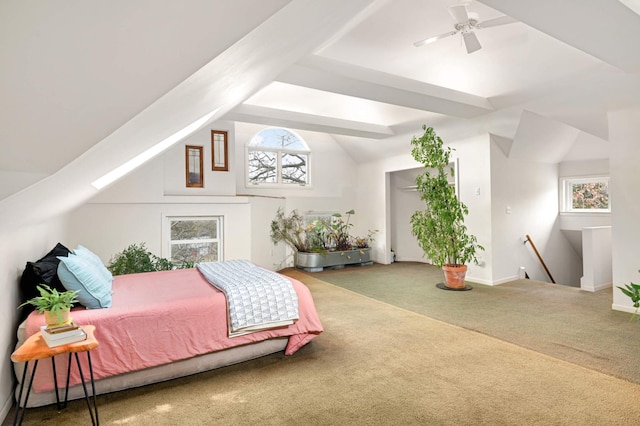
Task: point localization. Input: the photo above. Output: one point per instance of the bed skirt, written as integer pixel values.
(160, 373)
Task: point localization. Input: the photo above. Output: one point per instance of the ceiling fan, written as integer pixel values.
(465, 23)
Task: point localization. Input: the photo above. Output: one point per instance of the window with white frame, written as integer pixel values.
(192, 239)
(277, 156)
(586, 195)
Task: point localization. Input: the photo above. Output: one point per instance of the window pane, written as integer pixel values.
(262, 167)
(278, 138)
(194, 252)
(194, 229)
(294, 168)
(590, 195)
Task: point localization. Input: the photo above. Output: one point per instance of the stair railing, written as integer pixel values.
(528, 240)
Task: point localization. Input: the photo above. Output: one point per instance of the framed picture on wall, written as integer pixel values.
(194, 167)
(219, 151)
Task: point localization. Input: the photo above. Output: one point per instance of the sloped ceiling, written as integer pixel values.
(98, 82)
(73, 72)
(542, 140)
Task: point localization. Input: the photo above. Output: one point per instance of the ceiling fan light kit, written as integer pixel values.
(465, 23)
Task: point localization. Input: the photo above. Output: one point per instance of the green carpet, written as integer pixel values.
(560, 321)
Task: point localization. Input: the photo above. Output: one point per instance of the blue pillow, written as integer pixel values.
(76, 273)
(93, 258)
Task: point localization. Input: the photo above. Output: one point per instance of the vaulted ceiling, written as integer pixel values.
(98, 82)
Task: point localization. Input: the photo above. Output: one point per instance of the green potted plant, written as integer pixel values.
(136, 258)
(439, 228)
(322, 243)
(55, 305)
(289, 229)
(632, 291)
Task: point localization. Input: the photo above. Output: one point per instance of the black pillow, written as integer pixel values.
(43, 271)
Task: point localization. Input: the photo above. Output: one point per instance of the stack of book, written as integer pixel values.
(62, 334)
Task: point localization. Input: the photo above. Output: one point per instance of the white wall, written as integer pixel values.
(332, 169)
(263, 251)
(16, 248)
(490, 184)
(375, 199)
(332, 188)
(597, 272)
(624, 136)
(374, 179)
(123, 224)
(525, 202)
(132, 209)
(475, 189)
(403, 203)
(215, 182)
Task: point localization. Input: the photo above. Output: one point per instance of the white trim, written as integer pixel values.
(623, 308)
(597, 287)
(503, 280)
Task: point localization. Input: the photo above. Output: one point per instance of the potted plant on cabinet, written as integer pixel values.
(439, 228)
(55, 305)
(321, 243)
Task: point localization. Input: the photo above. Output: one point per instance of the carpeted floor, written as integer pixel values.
(560, 321)
(377, 364)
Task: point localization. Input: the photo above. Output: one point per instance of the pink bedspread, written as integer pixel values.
(160, 317)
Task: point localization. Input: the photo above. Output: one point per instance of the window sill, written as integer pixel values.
(592, 214)
(277, 186)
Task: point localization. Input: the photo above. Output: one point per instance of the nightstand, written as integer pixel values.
(35, 349)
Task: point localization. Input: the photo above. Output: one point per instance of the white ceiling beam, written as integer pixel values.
(602, 29)
(337, 77)
(297, 120)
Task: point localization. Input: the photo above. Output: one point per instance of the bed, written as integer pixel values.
(164, 325)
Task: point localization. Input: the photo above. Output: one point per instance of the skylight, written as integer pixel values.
(143, 157)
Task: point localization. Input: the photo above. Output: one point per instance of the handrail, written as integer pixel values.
(528, 239)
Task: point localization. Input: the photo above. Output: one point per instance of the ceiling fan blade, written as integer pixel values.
(494, 22)
(471, 41)
(459, 13)
(432, 39)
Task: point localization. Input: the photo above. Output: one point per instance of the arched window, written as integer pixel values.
(277, 156)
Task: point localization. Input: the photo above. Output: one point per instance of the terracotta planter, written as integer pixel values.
(454, 276)
(52, 319)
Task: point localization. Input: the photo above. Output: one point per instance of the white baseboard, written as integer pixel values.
(6, 407)
(491, 283)
(597, 287)
(623, 308)
(506, 280)
(410, 259)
